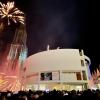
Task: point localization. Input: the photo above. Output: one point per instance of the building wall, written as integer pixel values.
(64, 64)
(68, 59)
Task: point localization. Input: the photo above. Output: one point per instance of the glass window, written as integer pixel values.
(84, 75)
(78, 76)
(82, 62)
(80, 53)
(46, 76)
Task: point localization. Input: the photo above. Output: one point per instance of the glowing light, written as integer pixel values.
(10, 83)
(10, 12)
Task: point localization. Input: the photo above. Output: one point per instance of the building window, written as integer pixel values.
(82, 62)
(84, 75)
(78, 76)
(80, 53)
(46, 76)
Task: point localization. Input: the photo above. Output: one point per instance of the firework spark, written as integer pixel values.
(10, 12)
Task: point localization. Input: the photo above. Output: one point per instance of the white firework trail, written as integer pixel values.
(10, 12)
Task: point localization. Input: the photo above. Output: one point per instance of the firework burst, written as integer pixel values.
(10, 12)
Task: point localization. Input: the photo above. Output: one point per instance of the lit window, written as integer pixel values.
(78, 76)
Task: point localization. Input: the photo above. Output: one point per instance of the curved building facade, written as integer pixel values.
(57, 69)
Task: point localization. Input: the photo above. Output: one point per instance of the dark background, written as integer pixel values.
(62, 23)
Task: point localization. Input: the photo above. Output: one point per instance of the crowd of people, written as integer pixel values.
(51, 95)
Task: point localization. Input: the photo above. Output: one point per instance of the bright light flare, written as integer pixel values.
(10, 83)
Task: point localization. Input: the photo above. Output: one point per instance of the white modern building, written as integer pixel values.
(57, 69)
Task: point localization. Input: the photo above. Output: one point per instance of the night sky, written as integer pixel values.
(61, 23)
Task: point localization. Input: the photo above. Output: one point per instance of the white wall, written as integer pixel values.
(63, 59)
(69, 77)
(33, 78)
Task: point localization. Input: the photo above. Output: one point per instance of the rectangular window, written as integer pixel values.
(78, 76)
(46, 76)
(80, 53)
(82, 62)
(84, 75)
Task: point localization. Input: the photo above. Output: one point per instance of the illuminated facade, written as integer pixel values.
(57, 69)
